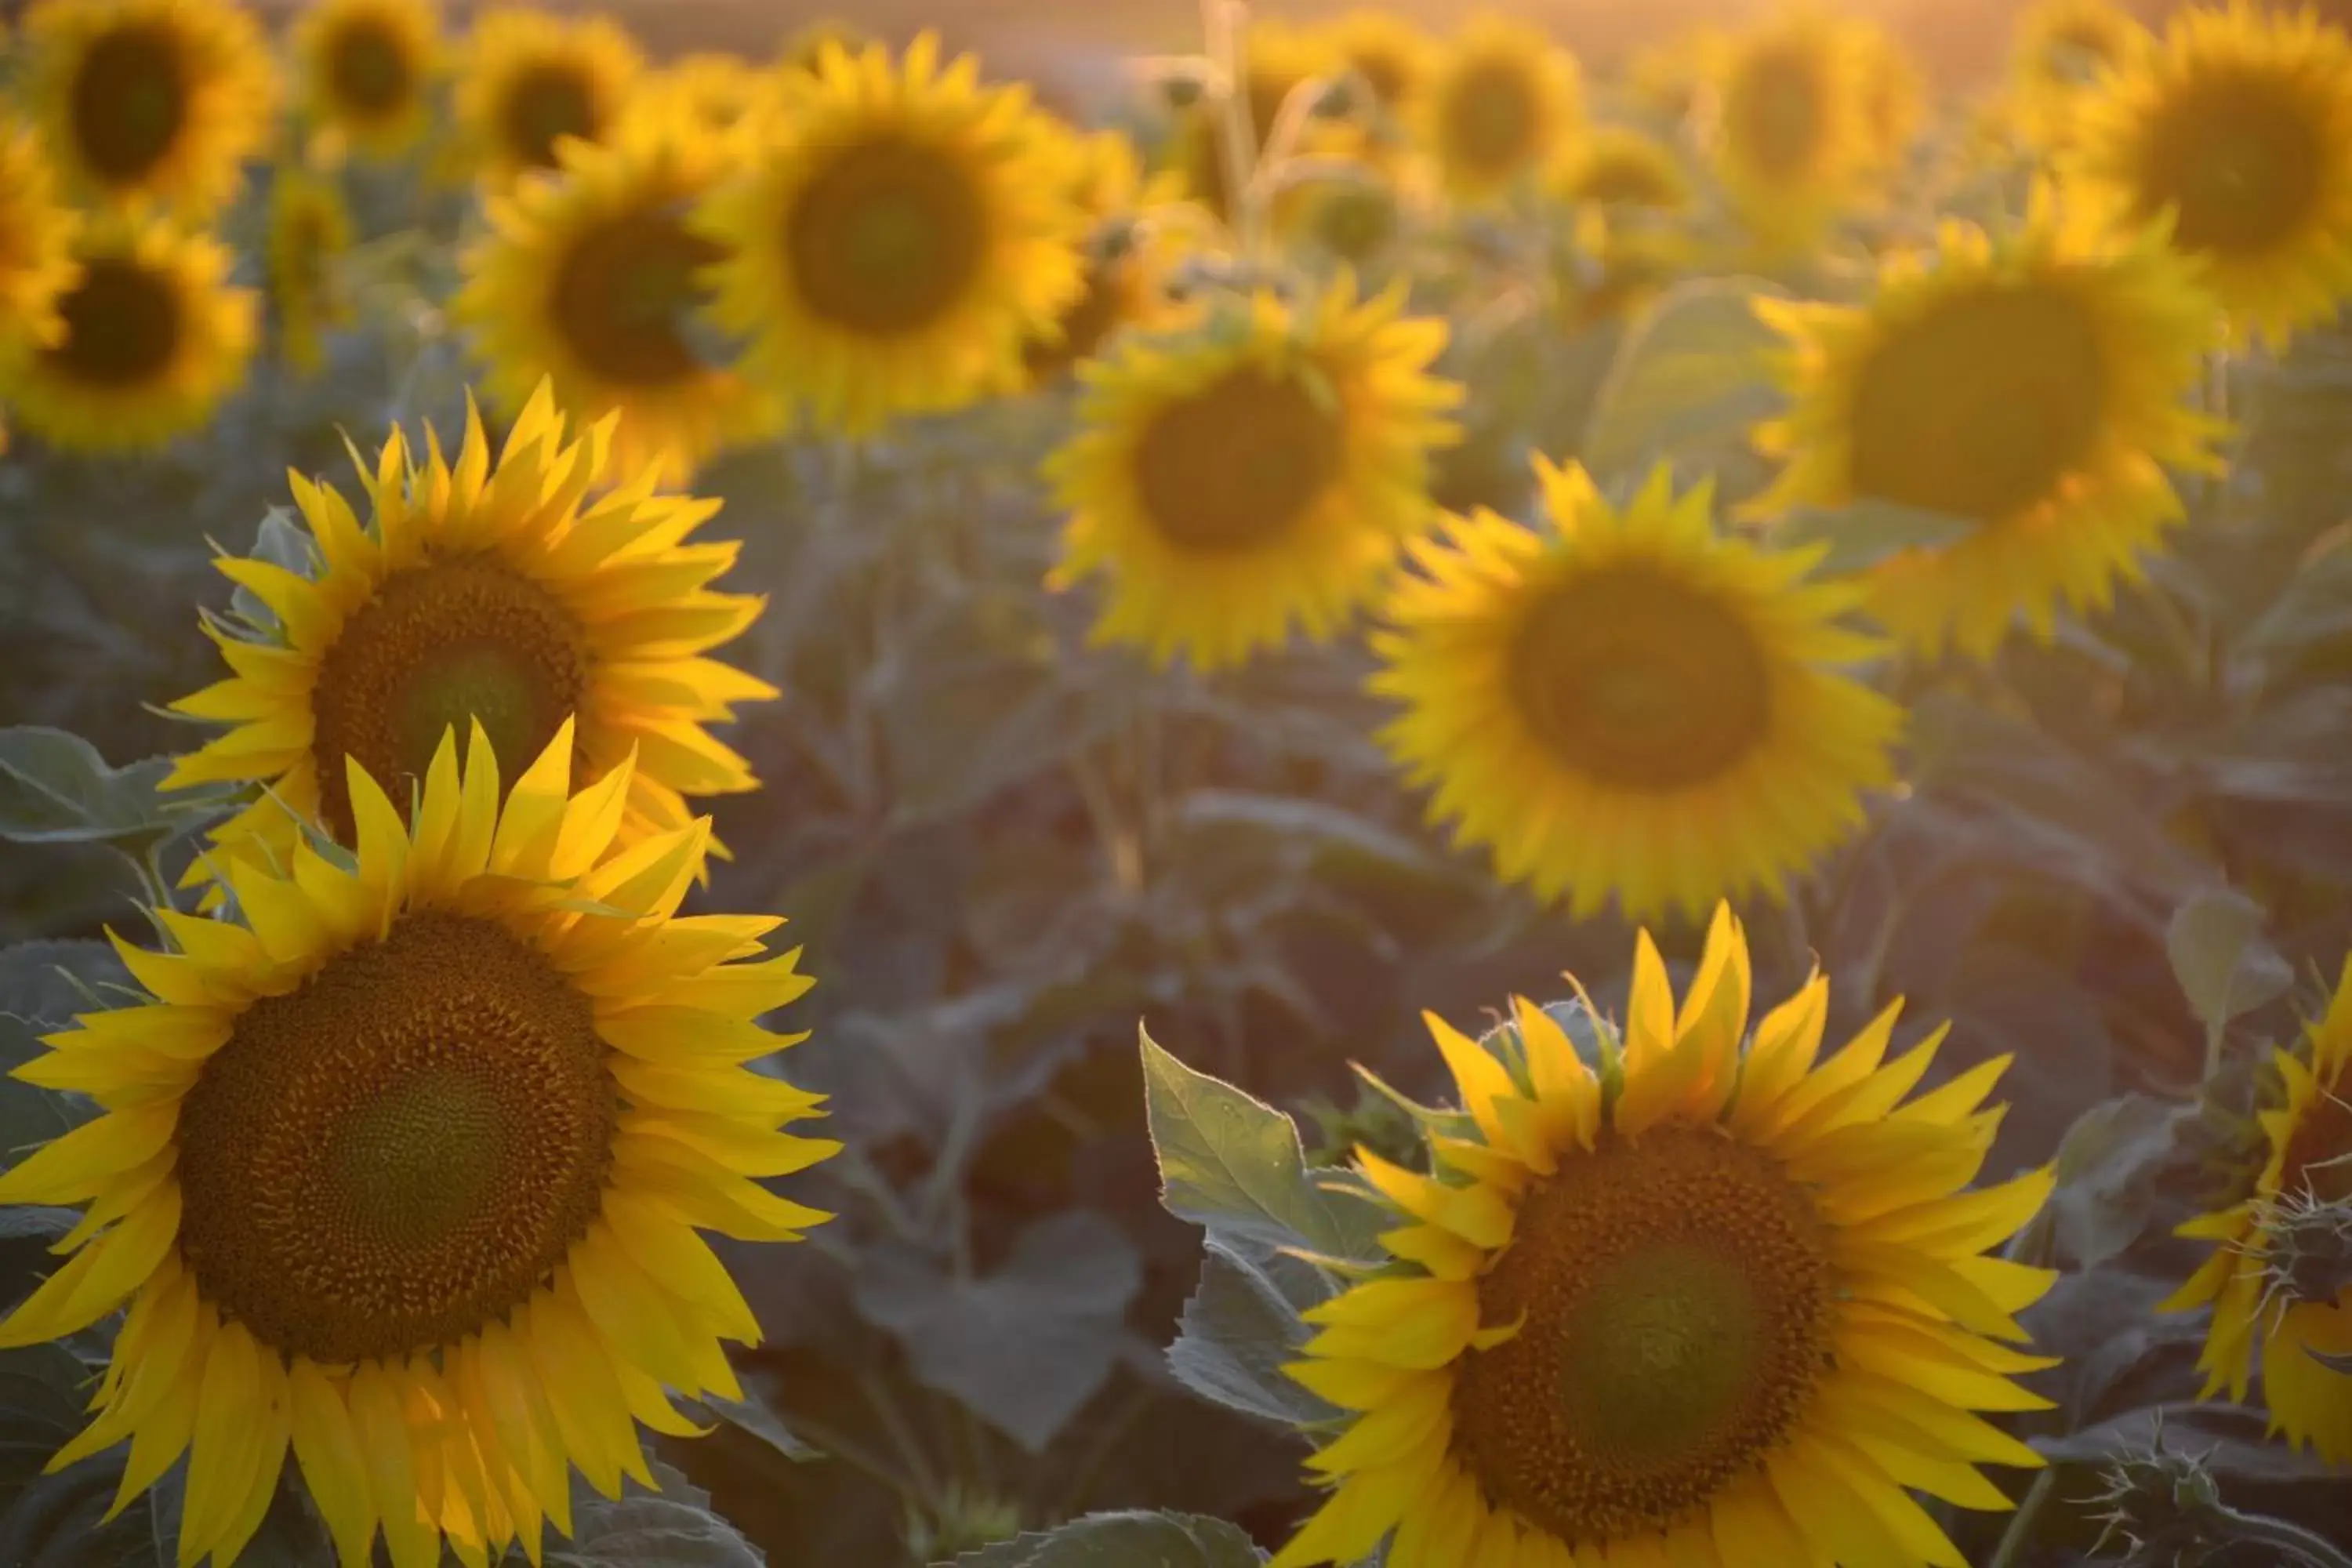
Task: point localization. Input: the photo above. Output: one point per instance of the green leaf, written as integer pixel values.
(1866, 533)
(2106, 1170)
(1693, 374)
(2221, 960)
(1236, 1331)
(2311, 614)
(55, 788)
(756, 1418)
(1233, 1164)
(1136, 1539)
(44, 1396)
(674, 1527)
(31, 1115)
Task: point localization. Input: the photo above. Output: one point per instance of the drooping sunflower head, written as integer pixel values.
(1632, 667)
(367, 69)
(1788, 131)
(2035, 384)
(1127, 259)
(37, 237)
(151, 339)
(904, 229)
(147, 100)
(2239, 126)
(1502, 100)
(406, 1169)
(310, 228)
(2266, 1312)
(1252, 471)
(530, 79)
(2062, 49)
(1616, 166)
(592, 280)
(1673, 1292)
(527, 593)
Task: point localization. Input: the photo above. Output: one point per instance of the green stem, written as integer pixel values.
(2010, 1552)
(1227, 24)
(2260, 1529)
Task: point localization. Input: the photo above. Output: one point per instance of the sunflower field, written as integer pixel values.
(1515, 800)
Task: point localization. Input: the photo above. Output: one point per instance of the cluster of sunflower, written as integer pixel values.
(402, 1160)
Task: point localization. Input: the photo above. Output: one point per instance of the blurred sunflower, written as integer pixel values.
(147, 100)
(1127, 262)
(309, 229)
(2062, 48)
(807, 45)
(522, 593)
(713, 93)
(900, 234)
(1696, 1302)
(37, 237)
(406, 1169)
(2035, 384)
(530, 79)
(152, 339)
(1501, 102)
(1894, 96)
(366, 69)
(1252, 470)
(1615, 166)
(2251, 1282)
(1628, 702)
(591, 280)
(1387, 50)
(2240, 126)
(1790, 135)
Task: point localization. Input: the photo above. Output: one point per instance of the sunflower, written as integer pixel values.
(152, 339)
(521, 592)
(2240, 125)
(1894, 96)
(1501, 102)
(1127, 260)
(36, 237)
(406, 1169)
(530, 79)
(1790, 133)
(2251, 1280)
(1707, 1300)
(1624, 701)
(2034, 385)
(711, 93)
(309, 229)
(1619, 167)
(1389, 52)
(592, 280)
(366, 69)
(147, 100)
(903, 233)
(2062, 48)
(1251, 471)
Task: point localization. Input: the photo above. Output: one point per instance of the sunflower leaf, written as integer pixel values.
(674, 1527)
(1233, 1164)
(55, 788)
(1690, 377)
(282, 542)
(2221, 961)
(1124, 1540)
(1239, 1327)
(1863, 534)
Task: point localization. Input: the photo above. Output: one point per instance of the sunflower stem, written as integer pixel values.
(1227, 23)
(2260, 1528)
(2010, 1552)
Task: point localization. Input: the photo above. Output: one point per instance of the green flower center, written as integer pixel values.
(128, 103)
(887, 238)
(1240, 463)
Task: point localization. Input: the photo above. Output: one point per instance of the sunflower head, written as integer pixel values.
(310, 228)
(148, 101)
(1632, 665)
(2063, 47)
(2263, 1313)
(1673, 1292)
(1502, 100)
(2239, 128)
(1252, 469)
(706, 94)
(151, 339)
(530, 79)
(2034, 385)
(1894, 96)
(367, 70)
(1387, 51)
(1790, 129)
(1616, 166)
(1127, 260)
(592, 280)
(904, 229)
(405, 1168)
(528, 594)
(37, 239)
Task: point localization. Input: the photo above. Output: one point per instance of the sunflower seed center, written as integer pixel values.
(129, 103)
(122, 325)
(887, 237)
(1240, 463)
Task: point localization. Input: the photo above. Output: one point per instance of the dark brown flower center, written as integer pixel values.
(543, 105)
(622, 293)
(1677, 1302)
(1239, 463)
(1493, 118)
(436, 647)
(122, 325)
(2239, 158)
(1773, 110)
(402, 1150)
(887, 238)
(1982, 407)
(1639, 681)
(130, 102)
(368, 69)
